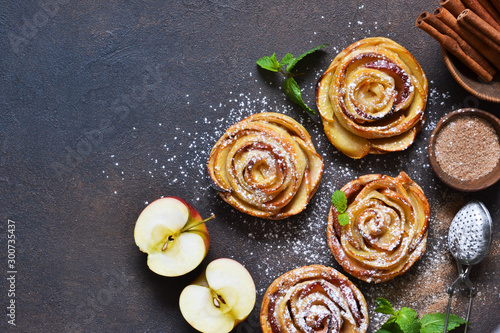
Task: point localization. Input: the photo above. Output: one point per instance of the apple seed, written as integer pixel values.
(169, 239)
(217, 300)
(216, 303)
(221, 299)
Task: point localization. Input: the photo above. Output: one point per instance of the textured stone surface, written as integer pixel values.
(107, 105)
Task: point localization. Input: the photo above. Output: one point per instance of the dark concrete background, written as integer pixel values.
(108, 105)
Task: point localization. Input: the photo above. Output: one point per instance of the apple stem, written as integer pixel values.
(201, 222)
(171, 237)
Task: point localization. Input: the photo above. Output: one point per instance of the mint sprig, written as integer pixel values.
(294, 61)
(290, 86)
(292, 90)
(406, 320)
(269, 63)
(384, 306)
(339, 200)
(434, 322)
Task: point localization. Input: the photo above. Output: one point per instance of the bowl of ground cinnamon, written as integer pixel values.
(464, 149)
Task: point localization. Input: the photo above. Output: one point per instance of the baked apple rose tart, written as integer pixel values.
(387, 229)
(372, 98)
(266, 166)
(313, 298)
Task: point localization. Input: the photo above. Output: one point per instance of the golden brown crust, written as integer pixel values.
(266, 166)
(387, 230)
(372, 98)
(313, 298)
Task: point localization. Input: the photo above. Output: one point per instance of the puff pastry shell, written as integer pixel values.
(387, 230)
(266, 166)
(313, 298)
(372, 98)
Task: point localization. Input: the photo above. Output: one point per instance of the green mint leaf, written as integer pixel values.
(384, 306)
(286, 59)
(292, 64)
(292, 90)
(343, 218)
(408, 321)
(434, 322)
(269, 63)
(339, 200)
(384, 330)
(390, 326)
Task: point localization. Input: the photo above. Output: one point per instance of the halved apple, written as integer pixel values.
(173, 235)
(220, 298)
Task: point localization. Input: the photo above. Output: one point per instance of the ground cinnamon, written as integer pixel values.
(467, 148)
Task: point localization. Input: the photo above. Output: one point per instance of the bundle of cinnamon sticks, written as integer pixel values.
(468, 29)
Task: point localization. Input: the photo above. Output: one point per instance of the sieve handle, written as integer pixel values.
(471, 293)
(450, 291)
(464, 278)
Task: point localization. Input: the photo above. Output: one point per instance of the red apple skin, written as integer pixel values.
(192, 212)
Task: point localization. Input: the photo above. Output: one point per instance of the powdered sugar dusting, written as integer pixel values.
(276, 247)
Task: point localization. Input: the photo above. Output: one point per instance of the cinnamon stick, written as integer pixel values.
(496, 4)
(466, 47)
(453, 6)
(451, 45)
(478, 34)
(472, 18)
(489, 52)
(491, 9)
(475, 6)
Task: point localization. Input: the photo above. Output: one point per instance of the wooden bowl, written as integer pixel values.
(470, 81)
(457, 184)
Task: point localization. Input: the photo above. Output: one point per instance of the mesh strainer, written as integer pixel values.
(469, 241)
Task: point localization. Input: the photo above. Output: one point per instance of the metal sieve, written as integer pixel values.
(469, 241)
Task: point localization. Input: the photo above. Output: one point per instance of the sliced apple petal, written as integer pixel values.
(395, 143)
(350, 144)
(182, 255)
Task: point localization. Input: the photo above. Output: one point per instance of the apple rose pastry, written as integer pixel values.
(266, 166)
(313, 299)
(387, 229)
(372, 98)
